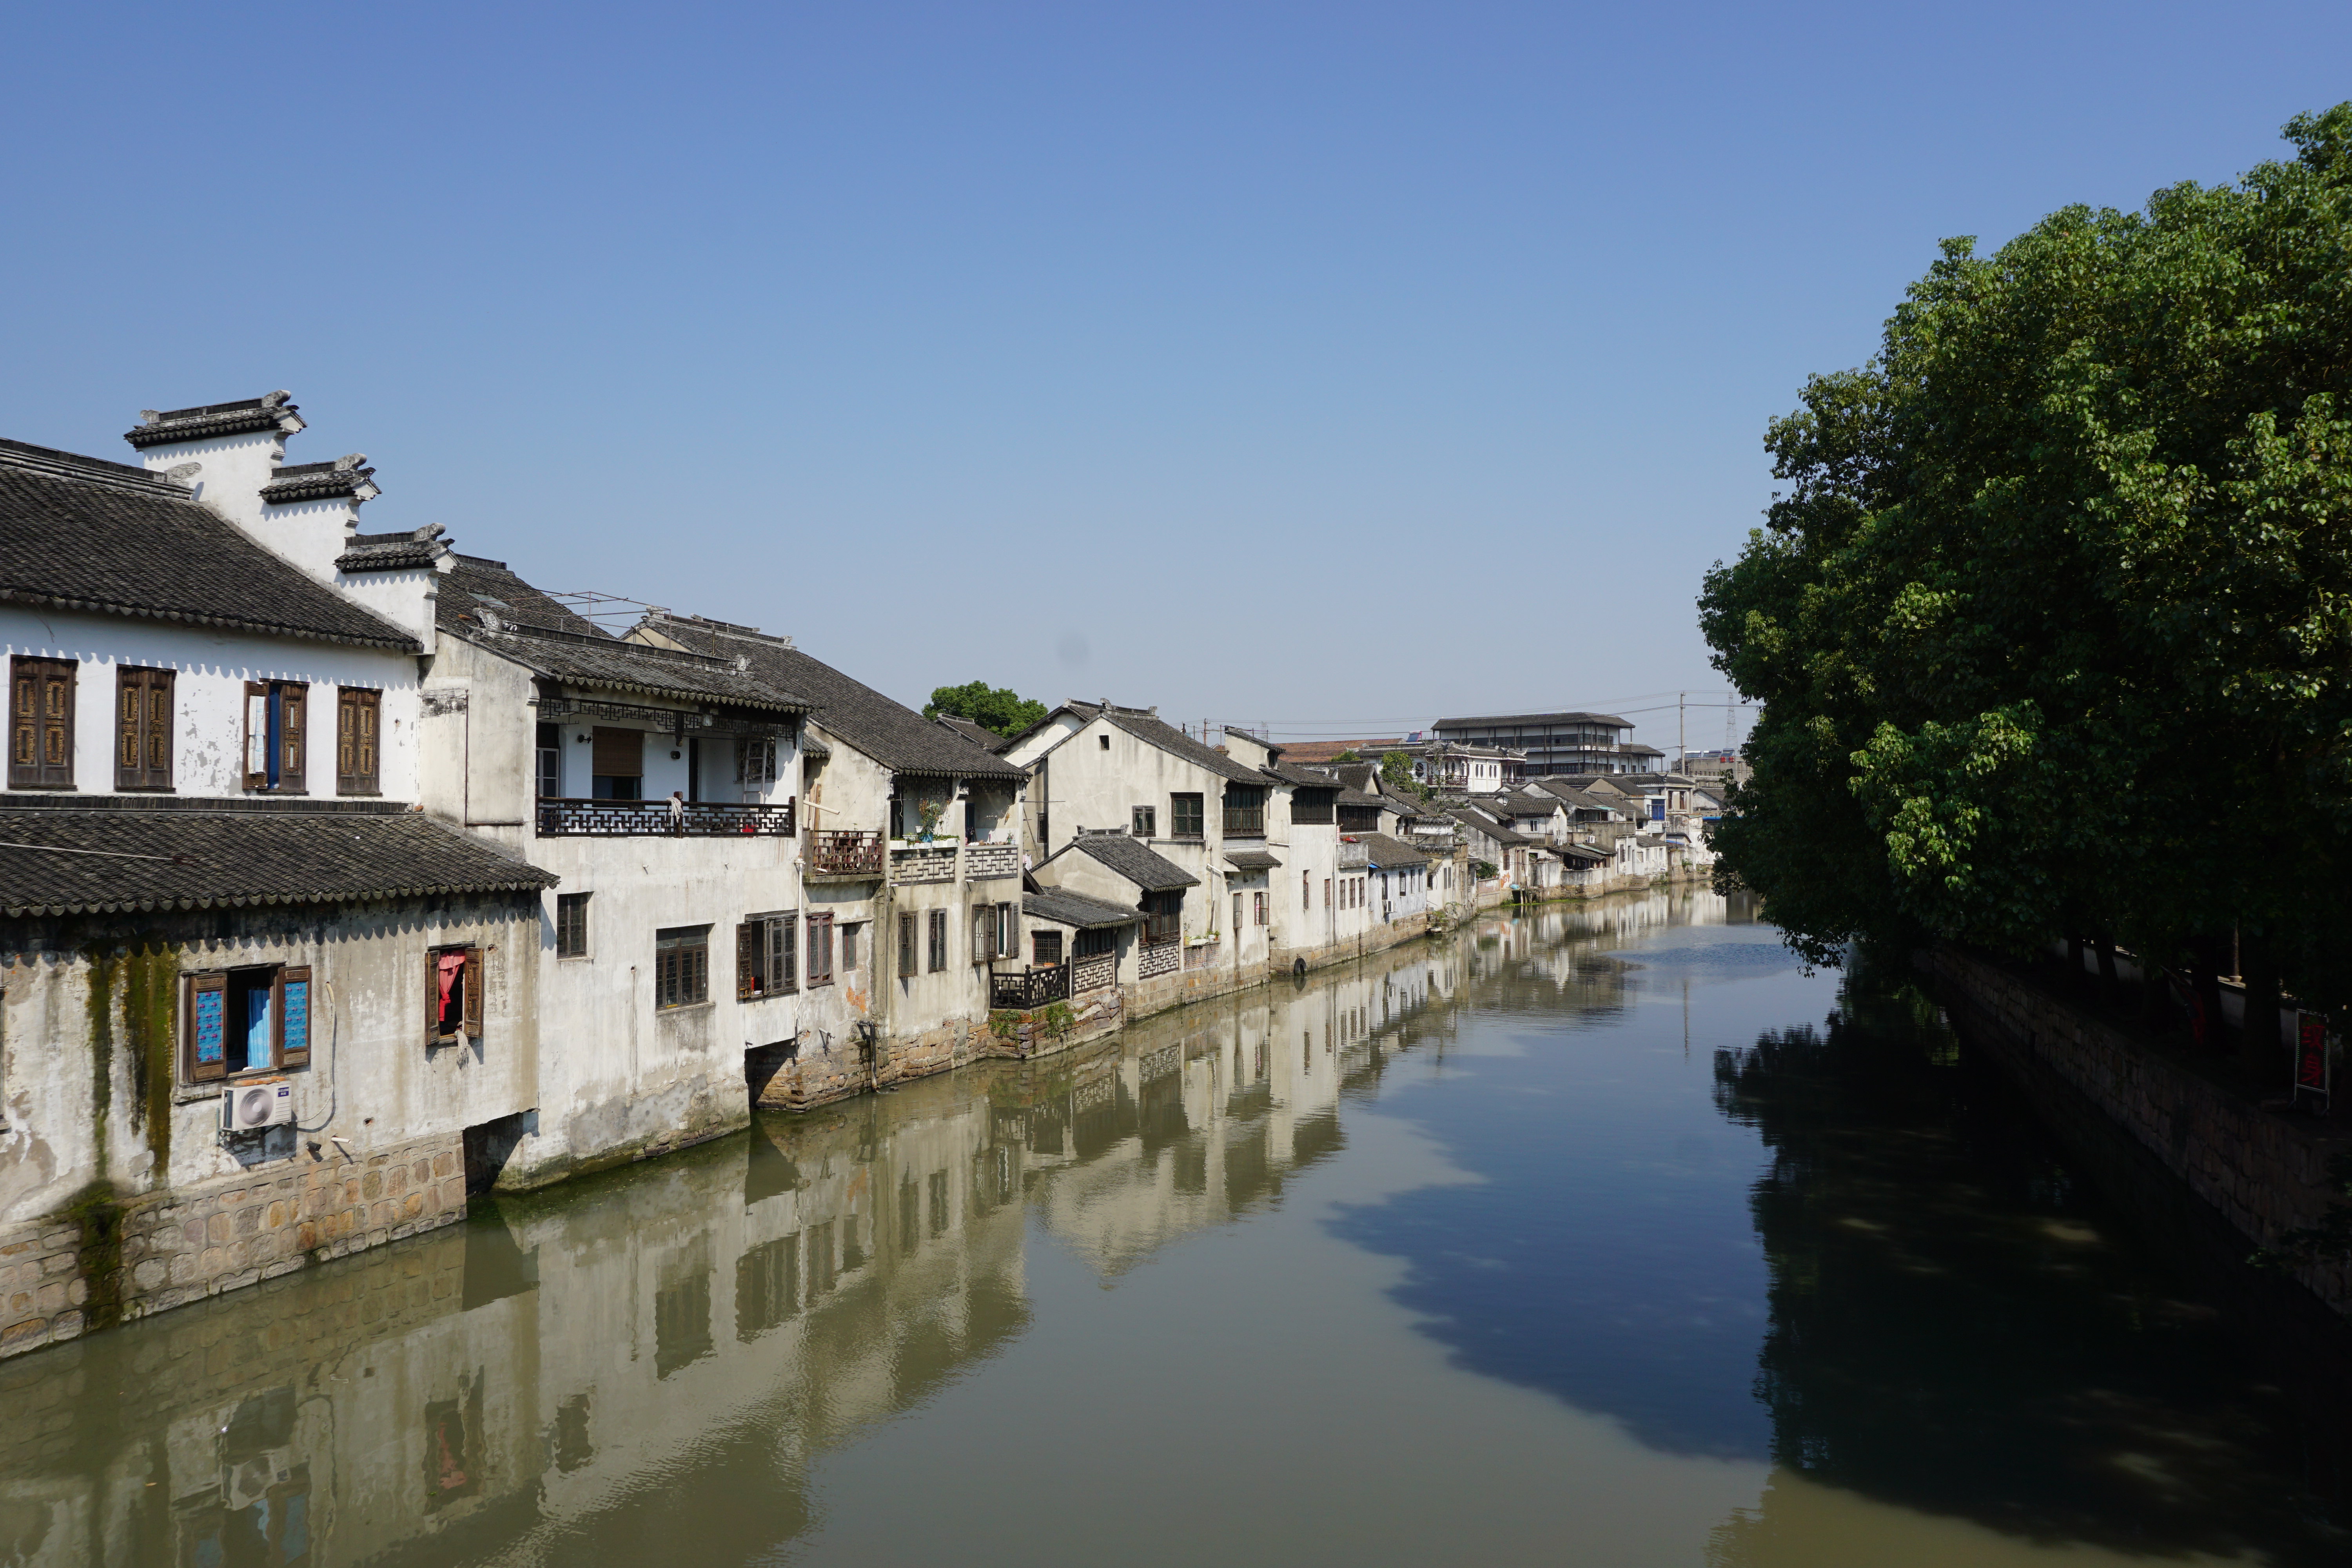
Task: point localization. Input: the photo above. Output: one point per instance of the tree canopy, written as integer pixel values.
(1396, 772)
(997, 708)
(2052, 627)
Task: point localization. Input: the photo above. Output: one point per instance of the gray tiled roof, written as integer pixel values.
(1148, 727)
(1387, 854)
(890, 732)
(1492, 829)
(346, 476)
(1133, 859)
(485, 602)
(57, 859)
(1063, 907)
(1252, 860)
(272, 411)
(979, 735)
(392, 551)
(81, 534)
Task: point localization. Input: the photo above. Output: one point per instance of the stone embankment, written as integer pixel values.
(2257, 1170)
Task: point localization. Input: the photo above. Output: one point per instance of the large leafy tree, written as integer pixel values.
(997, 708)
(2053, 624)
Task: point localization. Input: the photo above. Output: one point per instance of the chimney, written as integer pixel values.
(231, 455)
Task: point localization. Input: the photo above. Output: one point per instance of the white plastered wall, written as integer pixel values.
(208, 696)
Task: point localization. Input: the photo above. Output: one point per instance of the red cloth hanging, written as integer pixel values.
(451, 965)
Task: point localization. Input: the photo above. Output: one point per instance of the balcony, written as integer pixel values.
(1025, 988)
(1093, 973)
(990, 862)
(1245, 822)
(662, 819)
(918, 863)
(845, 853)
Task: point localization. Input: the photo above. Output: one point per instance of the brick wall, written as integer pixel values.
(62, 1276)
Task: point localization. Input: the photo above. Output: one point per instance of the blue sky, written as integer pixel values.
(1332, 365)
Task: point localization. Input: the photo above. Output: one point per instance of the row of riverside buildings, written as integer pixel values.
(343, 874)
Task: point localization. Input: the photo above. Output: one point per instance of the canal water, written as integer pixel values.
(1599, 1236)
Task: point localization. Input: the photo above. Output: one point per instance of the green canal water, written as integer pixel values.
(1603, 1236)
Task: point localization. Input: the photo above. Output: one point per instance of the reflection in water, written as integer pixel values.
(1489, 1284)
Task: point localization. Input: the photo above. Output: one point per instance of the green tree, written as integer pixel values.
(996, 708)
(2052, 627)
(1396, 772)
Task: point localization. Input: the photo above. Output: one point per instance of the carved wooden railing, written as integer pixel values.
(661, 819)
(1245, 822)
(1022, 989)
(845, 852)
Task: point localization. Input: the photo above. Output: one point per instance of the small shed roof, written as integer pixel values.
(1133, 859)
(1061, 907)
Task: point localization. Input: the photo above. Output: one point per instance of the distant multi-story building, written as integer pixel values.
(1556, 742)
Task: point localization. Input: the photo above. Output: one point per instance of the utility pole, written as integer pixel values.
(1681, 742)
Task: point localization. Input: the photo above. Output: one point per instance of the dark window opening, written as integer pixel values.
(453, 995)
(245, 1021)
(681, 966)
(617, 764)
(1046, 948)
(1186, 818)
(766, 956)
(571, 925)
(550, 762)
(1146, 821)
(939, 935)
(277, 736)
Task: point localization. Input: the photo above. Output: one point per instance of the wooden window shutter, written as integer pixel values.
(130, 721)
(357, 713)
(907, 944)
(205, 1056)
(294, 1018)
(784, 953)
(40, 723)
(473, 993)
(820, 950)
(984, 933)
(257, 735)
(748, 937)
(159, 729)
(294, 736)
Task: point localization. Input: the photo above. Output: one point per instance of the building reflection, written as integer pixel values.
(660, 1353)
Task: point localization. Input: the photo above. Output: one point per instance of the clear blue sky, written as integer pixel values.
(1338, 365)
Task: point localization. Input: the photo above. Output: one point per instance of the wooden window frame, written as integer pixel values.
(938, 940)
(469, 1000)
(1042, 944)
(1145, 822)
(848, 933)
(571, 925)
(910, 953)
(819, 949)
(359, 741)
(766, 956)
(32, 683)
(142, 729)
(681, 968)
(283, 706)
(293, 1006)
(1199, 814)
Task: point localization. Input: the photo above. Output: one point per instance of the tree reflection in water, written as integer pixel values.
(1960, 1325)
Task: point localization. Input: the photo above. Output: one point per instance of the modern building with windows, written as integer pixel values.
(1553, 742)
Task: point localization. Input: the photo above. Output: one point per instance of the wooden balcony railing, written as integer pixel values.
(1305, 814)
(845, 852)
(1160, 928)
(1021, 989)
(1245, 822)
(661, 819)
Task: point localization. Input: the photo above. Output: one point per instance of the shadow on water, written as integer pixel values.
(1961, 1325)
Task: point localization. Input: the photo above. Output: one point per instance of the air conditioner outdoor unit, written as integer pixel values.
(250, 1107)
(248, 1480)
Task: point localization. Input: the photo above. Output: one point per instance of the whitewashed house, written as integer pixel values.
(914, 860)
(256, 1009)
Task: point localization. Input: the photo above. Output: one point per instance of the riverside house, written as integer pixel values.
(914, 866)
(256, 1009)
